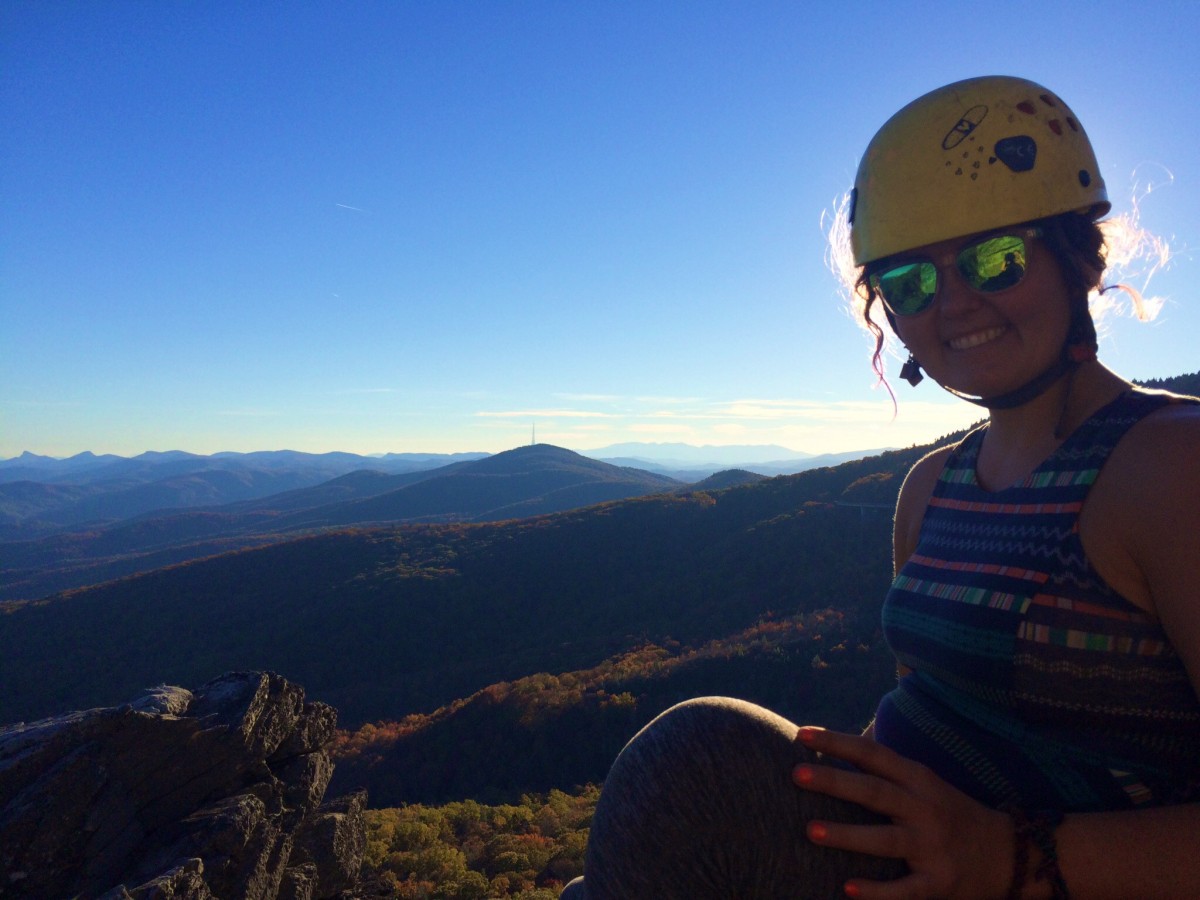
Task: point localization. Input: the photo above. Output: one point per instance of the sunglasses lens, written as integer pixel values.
(907, 289)
(994, 264)
(990, 265)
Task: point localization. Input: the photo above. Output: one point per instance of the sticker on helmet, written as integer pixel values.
(1018, 152)
(969, 122)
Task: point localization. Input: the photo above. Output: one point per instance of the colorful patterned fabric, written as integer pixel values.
(1034, 681)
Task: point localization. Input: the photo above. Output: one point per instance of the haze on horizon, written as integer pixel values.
(810, 430)
(679, 455)
(385, 228)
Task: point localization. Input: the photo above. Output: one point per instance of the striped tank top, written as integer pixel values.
(1033, 681)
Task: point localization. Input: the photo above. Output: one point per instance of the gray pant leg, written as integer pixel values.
(700, 804)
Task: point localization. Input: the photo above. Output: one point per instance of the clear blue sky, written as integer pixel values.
(426, 226)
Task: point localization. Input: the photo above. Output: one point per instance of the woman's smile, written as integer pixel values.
(976, 338)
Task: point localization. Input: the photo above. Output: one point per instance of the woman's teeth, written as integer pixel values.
(966, 342)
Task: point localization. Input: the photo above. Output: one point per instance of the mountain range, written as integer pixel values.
(88, 467)
(40, 494)
(92, 518)
(689, 463)
(487, 658)
(475, 662)
(392, 620)
(523, 482)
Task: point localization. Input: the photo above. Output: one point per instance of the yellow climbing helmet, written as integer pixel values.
(971, 156)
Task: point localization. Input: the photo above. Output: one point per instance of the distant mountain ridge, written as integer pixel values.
(90, 518)
(691, 454)
(88, 468)
(527, 481)
(686, 470)
(517, 483)
(41, 495)
(688, 462)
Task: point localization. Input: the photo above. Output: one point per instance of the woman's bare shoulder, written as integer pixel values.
(921, 478)
(1151, 480)
(1160, 452)
(914, 497)
(1141, 518)
(1155, 487)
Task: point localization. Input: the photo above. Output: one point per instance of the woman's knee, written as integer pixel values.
(700, 803)
(574, 890)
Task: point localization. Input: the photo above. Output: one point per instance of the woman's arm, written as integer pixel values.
(910, 510)
(1158, 479)
(910, 506)
(910, 513)
(956, 847)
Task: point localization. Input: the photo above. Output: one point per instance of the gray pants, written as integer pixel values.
(700, 805)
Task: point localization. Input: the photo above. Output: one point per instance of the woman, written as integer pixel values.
(1044, 734)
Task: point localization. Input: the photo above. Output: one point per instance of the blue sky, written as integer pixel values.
(427, 226)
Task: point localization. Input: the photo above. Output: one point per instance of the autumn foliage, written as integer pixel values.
(467, 850)
(545, 731)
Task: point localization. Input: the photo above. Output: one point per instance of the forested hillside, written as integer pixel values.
(388, 622)
(1180, 384)
(467, 850)
(546, 731)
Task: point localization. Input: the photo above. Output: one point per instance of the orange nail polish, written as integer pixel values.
(817, 831)
(851, 889)
(804, 774)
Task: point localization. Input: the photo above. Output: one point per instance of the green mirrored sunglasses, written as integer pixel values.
(993, 264)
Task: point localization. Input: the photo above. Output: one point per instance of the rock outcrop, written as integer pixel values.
(216, 793)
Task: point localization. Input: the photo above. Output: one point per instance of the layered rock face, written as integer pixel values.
(216, 793)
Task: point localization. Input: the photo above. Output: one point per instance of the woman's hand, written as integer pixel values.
(955, 847)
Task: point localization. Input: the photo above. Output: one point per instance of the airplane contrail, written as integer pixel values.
(344, 206)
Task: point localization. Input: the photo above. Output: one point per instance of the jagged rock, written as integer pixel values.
(185, 882)
(299, 882)
(178, 794)
(335, 840)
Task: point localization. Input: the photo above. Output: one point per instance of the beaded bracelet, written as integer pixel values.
(1036, 829)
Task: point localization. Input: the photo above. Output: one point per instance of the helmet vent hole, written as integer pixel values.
(1084, 177)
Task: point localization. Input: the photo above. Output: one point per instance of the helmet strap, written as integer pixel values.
(1026, 392)
(1080, 347)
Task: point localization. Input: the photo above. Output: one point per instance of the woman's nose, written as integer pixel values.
(955, 295)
